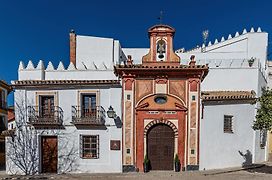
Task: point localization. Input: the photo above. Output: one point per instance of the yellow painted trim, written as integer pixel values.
(96, 92)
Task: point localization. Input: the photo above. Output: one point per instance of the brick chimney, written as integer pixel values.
(73, 47)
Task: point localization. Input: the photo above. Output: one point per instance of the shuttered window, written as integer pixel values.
(228, 124)
(89, 146)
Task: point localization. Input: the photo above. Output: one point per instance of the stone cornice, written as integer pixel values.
(63, 83)
(196, 71)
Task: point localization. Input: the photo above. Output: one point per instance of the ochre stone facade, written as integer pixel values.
(161, 91)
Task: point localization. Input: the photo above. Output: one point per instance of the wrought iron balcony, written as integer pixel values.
(86, 116)
(3, 105)
(45, 116)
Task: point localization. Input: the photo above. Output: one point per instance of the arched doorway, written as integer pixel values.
(160, 147)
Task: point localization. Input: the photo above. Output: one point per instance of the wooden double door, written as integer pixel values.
(49, 156)
(160, 147)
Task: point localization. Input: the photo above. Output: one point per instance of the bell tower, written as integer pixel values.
(161, 46)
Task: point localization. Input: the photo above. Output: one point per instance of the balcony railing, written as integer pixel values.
(88, 116)
(45, 116)
(3, 105)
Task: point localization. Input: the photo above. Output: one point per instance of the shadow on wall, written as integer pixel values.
(247, 157)
(118, 122)
(254, 168)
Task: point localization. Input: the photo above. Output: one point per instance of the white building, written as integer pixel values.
(231, 72)
(56, 97)
(237, 73)
(68, 109)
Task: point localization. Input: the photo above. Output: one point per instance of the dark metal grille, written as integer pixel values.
(89, 146)
(41, 115)
(228, 124)
(88, 115)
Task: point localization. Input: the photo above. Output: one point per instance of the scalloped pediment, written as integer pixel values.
(172, 103)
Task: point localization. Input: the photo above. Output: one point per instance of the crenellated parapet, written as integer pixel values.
(229, 38)
(240, 45)
(82, 71)
(30, 72)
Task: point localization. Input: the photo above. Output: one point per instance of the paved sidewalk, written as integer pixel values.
(235, 169)
(256, 172)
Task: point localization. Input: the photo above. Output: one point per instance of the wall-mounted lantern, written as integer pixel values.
(111, 113)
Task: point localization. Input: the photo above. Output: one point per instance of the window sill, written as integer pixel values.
(228, 132)
(89, 158)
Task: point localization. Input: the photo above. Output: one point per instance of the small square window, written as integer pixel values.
(128, 151)
(228, 124)
(192, 151)
(128, 96)
(193, 98)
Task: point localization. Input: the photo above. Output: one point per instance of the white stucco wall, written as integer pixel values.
(90, 49)
(94, 49)
(219, 149)
(231, 79)
(93, 73)
(136, 53)
(109, 161)
(69, 137)
(80, 75)
(260, 154)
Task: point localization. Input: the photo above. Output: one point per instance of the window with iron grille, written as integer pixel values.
(89, 146)
(228, 124)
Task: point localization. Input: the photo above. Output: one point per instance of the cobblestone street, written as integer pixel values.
(262, 172)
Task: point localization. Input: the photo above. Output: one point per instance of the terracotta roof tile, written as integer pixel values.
(141, 66)
(227, 95)
(63, 82)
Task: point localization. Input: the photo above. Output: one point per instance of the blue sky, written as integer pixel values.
(37, 30)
